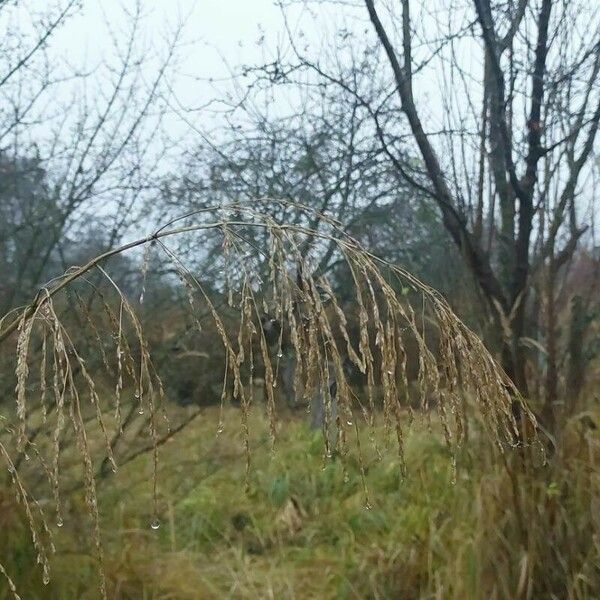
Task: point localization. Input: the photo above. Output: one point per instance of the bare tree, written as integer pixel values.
(79, 143)
(516, 84)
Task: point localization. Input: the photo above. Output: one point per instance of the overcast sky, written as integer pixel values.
(216, 33)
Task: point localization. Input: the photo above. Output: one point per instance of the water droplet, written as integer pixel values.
(368, 505)
(137, 393)
(27, 457)
(220, 429)
(274, 384)
(46, 577)
(142, 298)
(155, 524)
(141, 411)
(59, 521)
(538, 455)
(280, 354)
(349, 423)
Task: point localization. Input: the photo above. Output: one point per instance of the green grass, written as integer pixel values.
(304, 529)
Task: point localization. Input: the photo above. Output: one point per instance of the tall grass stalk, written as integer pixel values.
(315, 320)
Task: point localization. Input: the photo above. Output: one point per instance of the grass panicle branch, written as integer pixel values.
(322, 334)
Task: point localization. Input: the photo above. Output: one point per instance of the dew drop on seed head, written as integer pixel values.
(280, 354)
(59, 521)
(27, 457)
(368, 505)
(155, 524)
(141, 411)
(349, 423)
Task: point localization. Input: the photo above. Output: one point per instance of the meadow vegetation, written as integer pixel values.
(334, 333)
(305, 530)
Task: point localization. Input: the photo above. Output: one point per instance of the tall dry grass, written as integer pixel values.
(57, 394)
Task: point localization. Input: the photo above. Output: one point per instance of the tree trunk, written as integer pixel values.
(576, 372)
